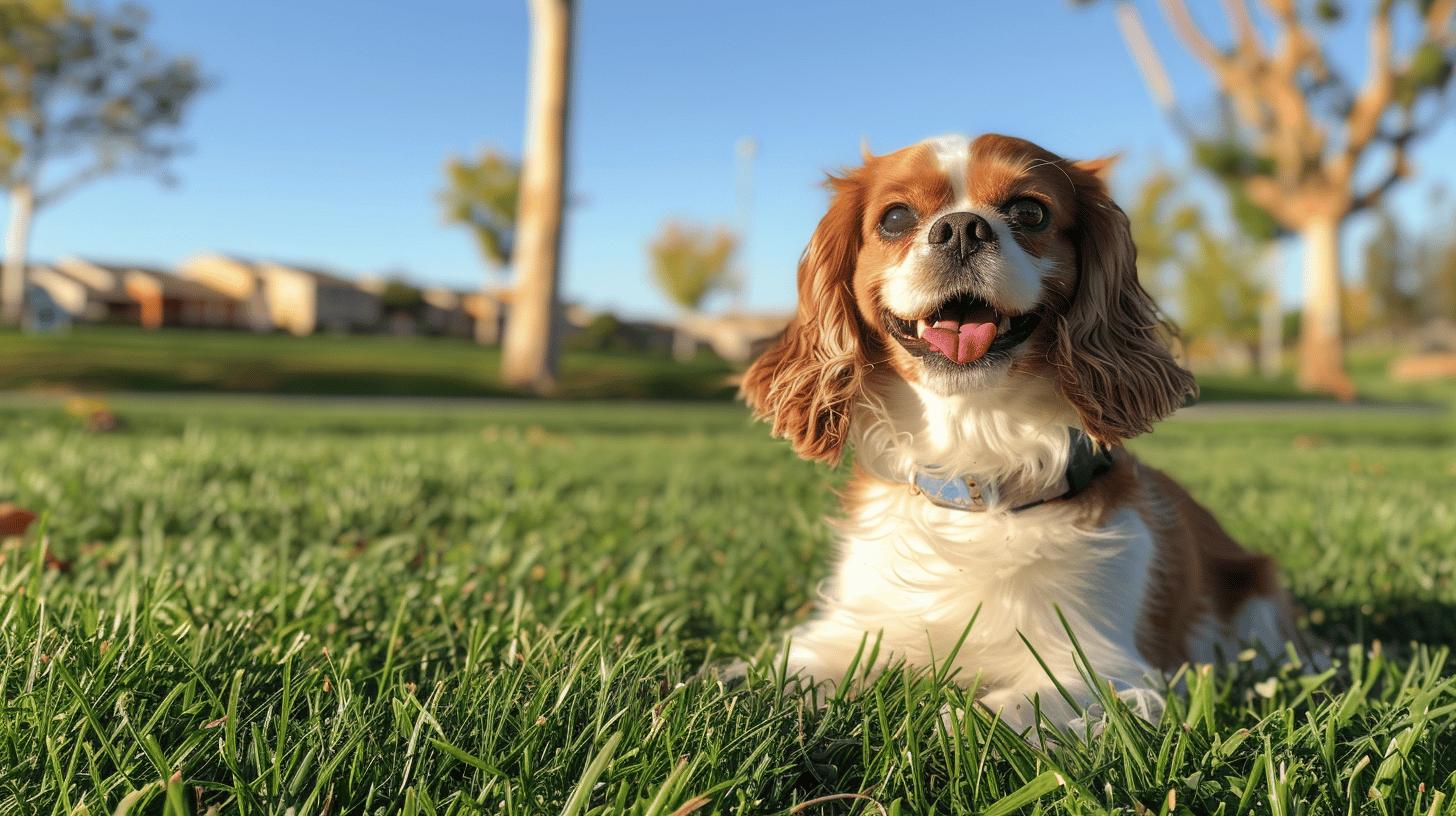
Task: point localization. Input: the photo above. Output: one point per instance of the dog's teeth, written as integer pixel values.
(920, 326)
(1004, 324)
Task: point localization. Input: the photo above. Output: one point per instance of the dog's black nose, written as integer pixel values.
(961, 233)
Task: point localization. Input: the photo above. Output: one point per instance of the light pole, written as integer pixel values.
(745, 149)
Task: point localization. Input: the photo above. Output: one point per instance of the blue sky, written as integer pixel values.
(323, 138)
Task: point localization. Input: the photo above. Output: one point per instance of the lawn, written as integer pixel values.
(120, 358)
(117, 358)
(275, 606)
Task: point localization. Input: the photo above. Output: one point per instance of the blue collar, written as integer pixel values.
(1085, 461)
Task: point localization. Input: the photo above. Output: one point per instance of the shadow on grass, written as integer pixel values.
(1394, 621)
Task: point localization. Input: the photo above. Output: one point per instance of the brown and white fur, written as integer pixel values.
(1146, 578)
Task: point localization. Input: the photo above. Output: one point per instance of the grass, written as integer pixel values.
(120, 358)
(253, 606)
(99, 358)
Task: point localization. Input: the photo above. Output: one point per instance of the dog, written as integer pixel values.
(970, 323)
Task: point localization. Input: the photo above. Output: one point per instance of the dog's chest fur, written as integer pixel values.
(919, 573)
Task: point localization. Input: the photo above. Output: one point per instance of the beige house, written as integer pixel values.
(86, 298)
(445, 313)
(124, 293)
(297, 299)
(734, 336)
(487, 312)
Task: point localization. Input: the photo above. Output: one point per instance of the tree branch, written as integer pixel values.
(1399, 169)
(1192, 36)
(1438, 21)
(77, 180)
(1239, 80)
(1145, 55)
(1245, 31)
(1363, 122)
(1269, 195)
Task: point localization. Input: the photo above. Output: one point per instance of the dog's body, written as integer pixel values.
(979, 365)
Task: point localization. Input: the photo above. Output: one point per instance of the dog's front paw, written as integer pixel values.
(1145, 702)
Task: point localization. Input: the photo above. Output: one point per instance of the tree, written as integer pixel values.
(1160, 223)
(530, 349)
(87, 89)
(1388, 266)
(399, 296)
(688, 264)
(1181, 258)
(483, 196)
(1438, 277)
(1221, 295)
(1303, 133)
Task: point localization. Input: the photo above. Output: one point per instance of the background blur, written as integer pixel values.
(351, 170)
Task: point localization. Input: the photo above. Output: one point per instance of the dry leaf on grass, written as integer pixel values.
(14, 521)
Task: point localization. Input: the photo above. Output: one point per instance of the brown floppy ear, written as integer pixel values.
(806, 383)
(1111, 349)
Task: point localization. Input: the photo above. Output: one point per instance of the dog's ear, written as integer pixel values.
(807, 382)
(1111, 350)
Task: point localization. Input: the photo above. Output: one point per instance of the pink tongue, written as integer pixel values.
(969, 343)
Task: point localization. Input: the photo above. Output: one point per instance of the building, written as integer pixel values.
(87, 296)
(734, 336)
(293, 298)
(445, 313)
(487, 312)
(125, 293)
(239, 280)
(166, 299)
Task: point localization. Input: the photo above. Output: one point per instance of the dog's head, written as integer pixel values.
(962, 264)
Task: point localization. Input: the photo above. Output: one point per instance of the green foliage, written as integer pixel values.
(1232, 162)
(1389, 270)
(1160, 223)
(1429, 69)
(399, 296)
(447, 610)
(1329, 11)
(86, 85)
(606, 332)
(483, 196)
(1182, 259)
(690, 262)
(1221, 293)
(1438, 277)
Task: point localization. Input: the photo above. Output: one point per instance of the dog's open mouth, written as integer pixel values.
(963, 330)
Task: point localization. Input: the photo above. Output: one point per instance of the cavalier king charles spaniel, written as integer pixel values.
(971, 324)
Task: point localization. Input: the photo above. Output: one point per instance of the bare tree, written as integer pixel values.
(85, 87)
(530, 350)
(1304, 132)
(484, 196)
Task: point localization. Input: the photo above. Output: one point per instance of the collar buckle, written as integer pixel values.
(1085, 461)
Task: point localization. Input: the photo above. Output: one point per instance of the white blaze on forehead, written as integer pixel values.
(1016, 279)
(953, 154)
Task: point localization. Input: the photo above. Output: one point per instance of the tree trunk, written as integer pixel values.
(1321, 345)
(1271, 317)
(530, 349)
(17, 249)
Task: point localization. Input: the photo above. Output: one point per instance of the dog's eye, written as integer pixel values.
(897, 220)
(1028, 214)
